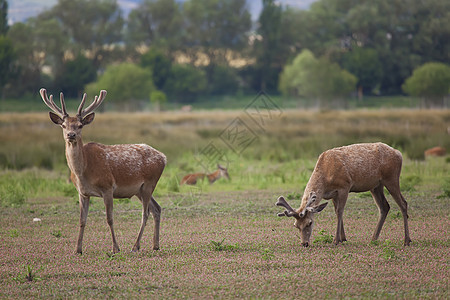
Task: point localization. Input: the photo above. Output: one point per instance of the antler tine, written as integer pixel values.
(80, 108)
(311, 200)
(289, 212)
(63, 104)
(50, 103)
(96, 103)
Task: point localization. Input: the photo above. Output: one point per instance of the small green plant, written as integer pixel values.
(267, 254)
(12, 194)
(115, 256)
(30, 275)
(388, 251)
(374, 243)
(294, 195)
(396, 216)
(57, 233)
(13, 233)
(409, 183)
(323, 237)
(445, 188)
(220, 246)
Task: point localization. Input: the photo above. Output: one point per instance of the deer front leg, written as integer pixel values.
(339, 204)
(383, 207)
(84, 209)
(108, 199)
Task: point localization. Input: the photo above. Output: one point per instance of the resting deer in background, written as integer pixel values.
(108, 171)
(212, 177)
(435, 151)
(355, 168)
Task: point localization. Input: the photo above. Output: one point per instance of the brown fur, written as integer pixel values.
(435, 151)
(192, 179)
(109, 171)
(354, 168)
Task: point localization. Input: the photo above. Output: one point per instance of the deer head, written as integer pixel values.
(72, 125)
(223, 172)
(304, 220)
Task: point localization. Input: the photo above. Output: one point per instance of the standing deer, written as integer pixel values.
(355, 168)
(212, 177)
(108, 171)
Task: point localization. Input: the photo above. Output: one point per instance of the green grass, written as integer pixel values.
(223, 240)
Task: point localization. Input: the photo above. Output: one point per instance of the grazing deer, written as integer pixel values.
(108, 171)
(435, 151)
(355, 168)
(193, 178)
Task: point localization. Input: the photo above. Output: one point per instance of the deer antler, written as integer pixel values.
(51, 104)
(311, 200)
(96, 103)
(289, 212)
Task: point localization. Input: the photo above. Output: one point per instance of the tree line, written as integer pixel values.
(182, 51)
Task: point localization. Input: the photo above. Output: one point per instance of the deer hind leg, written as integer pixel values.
(108, 199)
(339, 204)
(394, 189)
(155, 209)
(84, 209)
(149, 205)
(383, 207)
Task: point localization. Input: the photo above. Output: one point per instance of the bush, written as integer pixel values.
(123, 82)
(11, 193)
(185, 82)
(430, 81)
(316, 78)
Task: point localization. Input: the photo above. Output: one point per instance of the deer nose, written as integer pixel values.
(71, 135)
(305, 244)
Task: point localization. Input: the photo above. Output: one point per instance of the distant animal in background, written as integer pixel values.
(192, 179)
(435, 151)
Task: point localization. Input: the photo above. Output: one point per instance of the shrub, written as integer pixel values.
(430, 81)
(11, 193)
(323, 238)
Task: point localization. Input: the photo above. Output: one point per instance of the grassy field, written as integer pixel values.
(224, 240)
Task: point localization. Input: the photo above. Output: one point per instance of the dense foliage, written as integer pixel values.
(381, 42)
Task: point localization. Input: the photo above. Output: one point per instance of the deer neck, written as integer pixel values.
(313, 187)
(75, 157)
(214, 176)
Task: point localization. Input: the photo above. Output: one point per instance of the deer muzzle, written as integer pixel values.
(71, 136)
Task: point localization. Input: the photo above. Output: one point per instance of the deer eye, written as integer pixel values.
(63, 126)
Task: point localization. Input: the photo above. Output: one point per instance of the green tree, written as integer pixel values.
(223, 81)
(50, 43)
(158, 98)
(7, 57)
(160, 65)
(27, 65)
(91, 25)
(156, 23)
(430, 81)
(216, 27)
(185, 82)
(315, 78)
(267, 45)
(123, 82)
(366, 66)
(3, 17)
(75, 75)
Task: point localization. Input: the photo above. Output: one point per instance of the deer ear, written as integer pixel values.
(88, 119)
(55, 118)
(317, 209)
